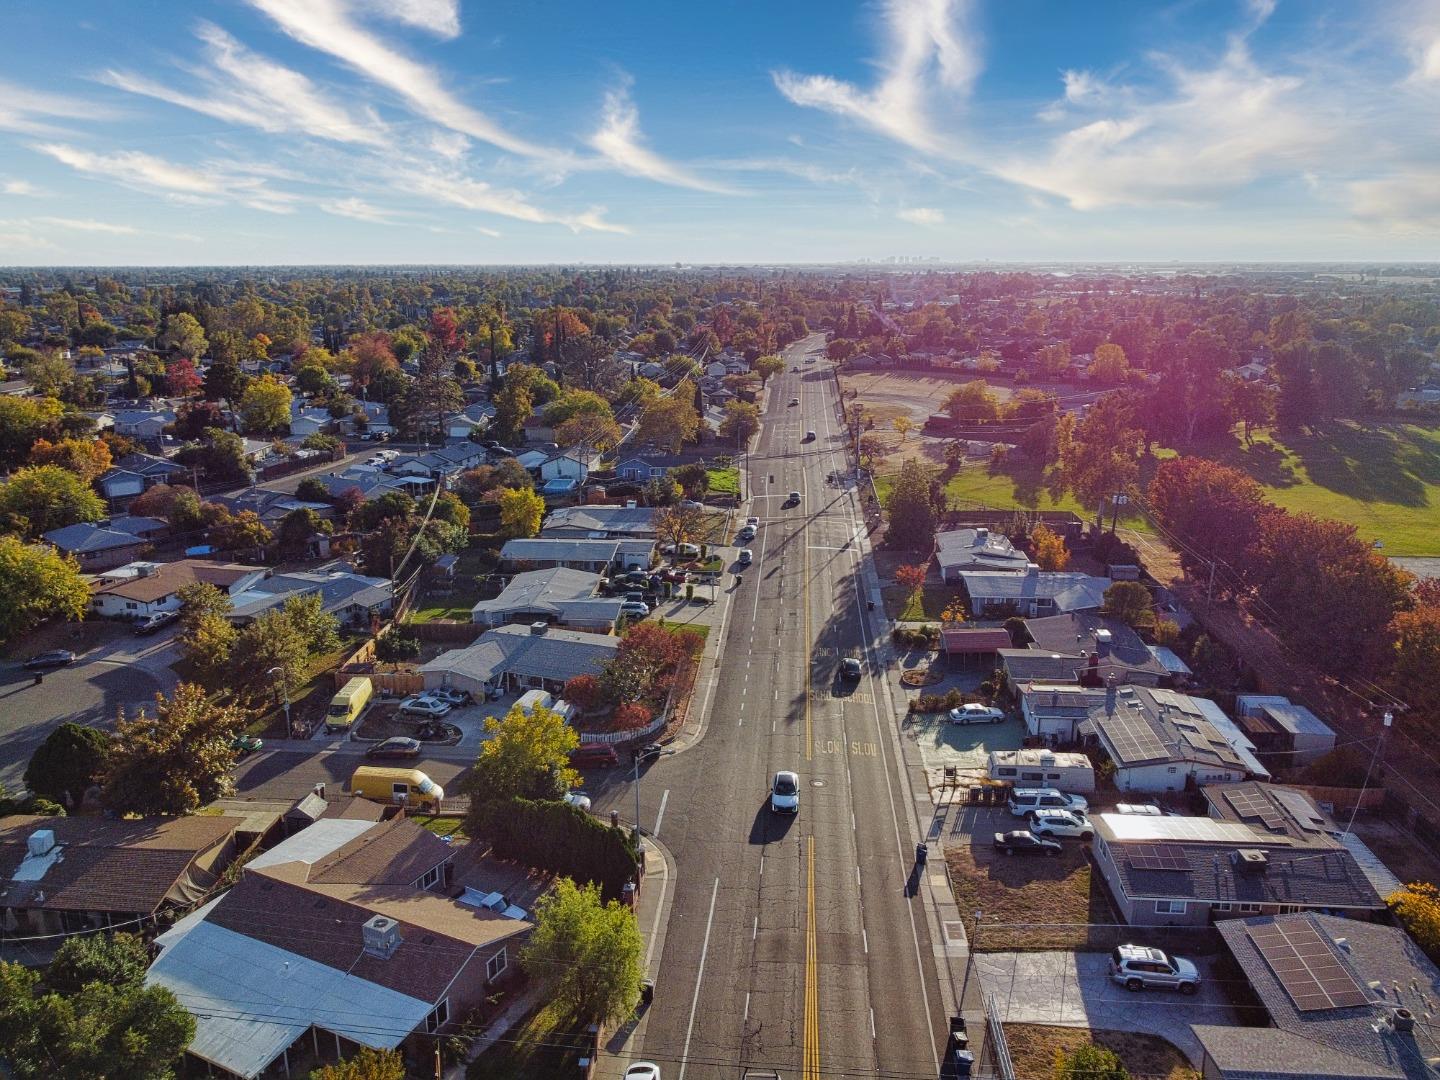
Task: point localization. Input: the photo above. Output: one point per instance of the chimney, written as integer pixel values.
(982, 534)
(539, 627)
(381, 936)
(1402, 1020)
(320, 790)
(40, 842)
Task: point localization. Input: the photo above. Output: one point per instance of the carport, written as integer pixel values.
(974, 645)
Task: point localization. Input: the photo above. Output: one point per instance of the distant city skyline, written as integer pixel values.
(268, 132)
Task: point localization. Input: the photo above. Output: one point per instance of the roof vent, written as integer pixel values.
(40, 842)
(381, 936)
(1403, 1020)
(1343, 944)
(539, 627)
(982, 534)
(630, 504)
(1252, 860)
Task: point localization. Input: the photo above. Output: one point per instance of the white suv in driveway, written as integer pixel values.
(1137, 967)
(1026, 801)
(1057, 823)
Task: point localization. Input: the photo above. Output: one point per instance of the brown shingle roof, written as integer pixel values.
(127, 867)
(171, 576)
(394, 852)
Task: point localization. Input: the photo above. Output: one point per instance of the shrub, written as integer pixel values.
(583, 691)
(631, 716)
(557, 837)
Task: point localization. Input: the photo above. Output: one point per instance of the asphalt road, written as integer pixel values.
(794, 943)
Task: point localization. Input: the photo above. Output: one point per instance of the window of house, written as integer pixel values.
(438, 1016)
(431, 878)
(131, 604)
(1249, 909)
(1290, 909)
(1170, 907)
(1222, 907)
(495, 965)
(1171, 769)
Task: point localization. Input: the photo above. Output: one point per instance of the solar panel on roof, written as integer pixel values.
(1252, 804)
(1157, 857)
(1306, 967)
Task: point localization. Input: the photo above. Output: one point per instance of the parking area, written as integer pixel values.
(1071, 989)
(964, 746)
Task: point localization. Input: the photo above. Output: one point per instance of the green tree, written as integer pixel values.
(527, 755)
(513, 406)
(37, 583)
(1251, 402)
(572, 403)
(1416, 659)
(394, 647)
(70, 761)
(1102, 457)
(973, 400)
(767, 366)
(740, 422)
(1110, 364)
(220, 455)
(243, 532)
(118, 960)
(270, 641)
(1089, 1062)
(22, 421)
(50, 374)
(587, 954)
(1130, 602)
(678, 524)
(520, 512)
(670, 421)
(119, 1032)
(206, 637)
(265, 406)
(320, 630)
(911, 509)
(49, 497)
(365, 1064)
(224, 381)
(176, 760)
(183, 336)
(591, 430)
(693, 478)
(292, 539)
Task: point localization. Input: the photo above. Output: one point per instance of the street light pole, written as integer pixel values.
(638, 830)
(284, 689)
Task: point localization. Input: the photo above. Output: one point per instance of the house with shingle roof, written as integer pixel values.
(338, 925)
(138, 589)
(97, 547)
(1359, 1007)
(62, 874)
(557, 595)
(1034, 592)
(521, 658)
(599, 522)
(593, 556)
(1082, 646)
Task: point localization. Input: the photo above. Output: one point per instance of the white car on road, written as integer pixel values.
(785, 793)
(975, 713)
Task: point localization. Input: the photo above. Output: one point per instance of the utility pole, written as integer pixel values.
(1117, 500)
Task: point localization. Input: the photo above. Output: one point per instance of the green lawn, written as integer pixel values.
(447, 607)
(1381, 477)
(928, 604)
(723, 481)
(443, 826)
(540, 1048)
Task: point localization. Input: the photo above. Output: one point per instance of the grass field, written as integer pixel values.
(1383, 478)
(723, 481)
(1033, 1048)
(929, 603)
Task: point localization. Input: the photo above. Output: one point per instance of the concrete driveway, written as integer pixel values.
(1074, 990)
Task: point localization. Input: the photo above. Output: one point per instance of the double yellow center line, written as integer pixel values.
(810, 1068)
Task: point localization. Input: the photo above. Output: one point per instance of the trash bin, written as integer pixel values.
(964, 1062)
(647, 992)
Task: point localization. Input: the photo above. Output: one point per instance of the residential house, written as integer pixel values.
(1418, 397)
(516, 657)
(1034, 592)
(1161, 740)
(139, 589)
(571, 465)
(1190, 871)
(325, 935)
(1056, 711)
(651, 465)
(976, 549)
(442, 461)
(1358, 1005)
(536, 429)
(354, 599)
(377, 418)
(309, 421)
(370, 482)
(591, 556)
(97, 547)
(600, 522)
(1084, 647)
(473, 419)
(1284, 734)
(146, 528)
(136, 473)
(143, 424)
(272, 507)
(558, 595)
(65, 874)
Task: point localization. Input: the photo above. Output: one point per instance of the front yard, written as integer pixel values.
(926, 605)
(1033, 1048)
(1028, 901)
(541, 1047)
(723, 480)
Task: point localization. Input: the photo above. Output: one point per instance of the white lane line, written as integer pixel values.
(699, 977)
(864, 940)
(755, 928)
(872, 1023)
(660, 814)
(762, 865)
(747, 1006)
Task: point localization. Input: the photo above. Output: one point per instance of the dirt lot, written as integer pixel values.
(1405, 857)
(1033, 1048)
(1029, 901)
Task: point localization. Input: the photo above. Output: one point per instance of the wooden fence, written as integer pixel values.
(446, 630)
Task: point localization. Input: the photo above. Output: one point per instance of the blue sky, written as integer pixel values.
(380, 131)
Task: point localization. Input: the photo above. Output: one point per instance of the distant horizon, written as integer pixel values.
(265, 132)
(866, 263)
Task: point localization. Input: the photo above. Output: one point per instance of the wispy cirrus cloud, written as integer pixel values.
(328, 26)
(618, 141)
(932, 51)
(467, 193)
(356, 209)
(30, 112)
(921, 215)
(90, 225)
(20, 187)
(242, 87)
(147, 173)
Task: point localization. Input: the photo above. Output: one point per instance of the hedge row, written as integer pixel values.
(557, 837)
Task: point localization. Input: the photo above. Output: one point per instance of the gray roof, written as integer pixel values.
(560, 549)
(1296, 719)
(138, 525)
(87, 537)
(1284, 811)
(1318, 874)
(968, 547)
(602, 520)
(555, 654)
(1070, 591)
(1244, 1053)
(1088, 632)
(560, 591)
(1385, 963)
(337, 590)
(1138, 725)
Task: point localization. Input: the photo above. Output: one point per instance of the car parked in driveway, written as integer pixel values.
(1025, 801)
(398, 747)
(1138, 967)
(1021, 842)
(1054, 823)
(975, 713)
(785, 793)
(156, 621)
(52, 659)
(423, 705)
(634, 609)
(450, 695)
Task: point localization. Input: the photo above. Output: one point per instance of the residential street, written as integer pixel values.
(793, 944)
